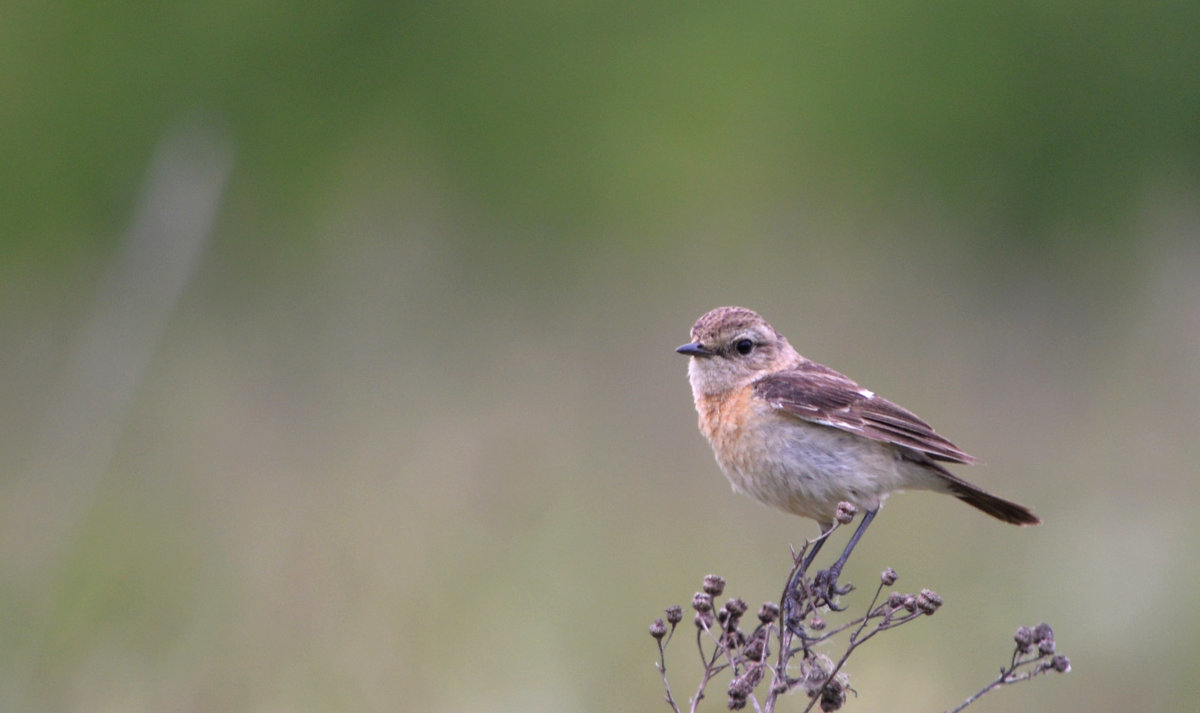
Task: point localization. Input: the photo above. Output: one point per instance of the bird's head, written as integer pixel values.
(731, 347)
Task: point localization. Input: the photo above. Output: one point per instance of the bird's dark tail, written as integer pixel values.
(979, 498)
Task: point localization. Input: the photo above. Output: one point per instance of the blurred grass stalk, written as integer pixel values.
(88, 407)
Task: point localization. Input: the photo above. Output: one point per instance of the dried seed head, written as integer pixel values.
(817, 623)
(814, 681)
(888, 577)
(714, 584)
(753, 677)
(815, 671)
(674, 614)
(704, 620)
(739, 687)
(1062, 664)
(658, 629)
(736, 606)
(910, 602)
(1024, 639)
(739, 691)
(1043, 632)
(928, 601)
(1046, 647)
(755, 650)
(895, 600)
(768, 613)
(702, 602)
(845, 512)
(833, 696)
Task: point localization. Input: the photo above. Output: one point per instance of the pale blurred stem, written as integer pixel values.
(1006, 677)
(662, 668)
(731, 665)
(971, 699)
(711, 668)
(860, 622)
(855, 641)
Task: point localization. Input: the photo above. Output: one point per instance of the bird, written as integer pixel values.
(801, 437)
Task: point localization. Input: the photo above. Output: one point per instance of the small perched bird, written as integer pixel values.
(799, 436)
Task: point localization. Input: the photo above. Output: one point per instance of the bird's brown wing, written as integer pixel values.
(816, 393)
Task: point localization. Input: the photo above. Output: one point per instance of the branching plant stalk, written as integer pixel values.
(797, 626)
(1009, 674)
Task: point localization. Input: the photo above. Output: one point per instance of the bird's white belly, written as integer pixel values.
(807, 469)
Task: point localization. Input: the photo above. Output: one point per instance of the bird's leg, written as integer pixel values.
(792, 596)
(816, 547)
(825, 582)
(813, 548)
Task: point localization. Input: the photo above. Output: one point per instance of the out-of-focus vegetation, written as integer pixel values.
(337, 338)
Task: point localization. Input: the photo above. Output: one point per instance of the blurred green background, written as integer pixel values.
(337, 340)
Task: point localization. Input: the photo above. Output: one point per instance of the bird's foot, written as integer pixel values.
(826, 589)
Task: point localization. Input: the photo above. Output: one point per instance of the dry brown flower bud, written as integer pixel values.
(833, 696)
(888, 577)
(768, 613)
(674, 614)
(702, 602)
(817, 623)
(736, 606)
(658, 629)
(910, 602)
(714, 584)
(739, 687)
(755, 650)
(814, 681)
(739, 691)
(704, 620)
(1061, 664)
(895, 600)
(1046, 647)
(1043, 632)
(928, 601)
(754, 676)
(845, 512)
(1024, 639)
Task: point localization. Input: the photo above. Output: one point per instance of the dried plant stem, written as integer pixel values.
(662, 668)
(1009, 674)
(711, 668)
(797, 625)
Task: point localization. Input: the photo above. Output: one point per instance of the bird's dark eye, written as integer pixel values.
(744, 346)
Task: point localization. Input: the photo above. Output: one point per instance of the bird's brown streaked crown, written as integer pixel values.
(717, 334)
(724, 321)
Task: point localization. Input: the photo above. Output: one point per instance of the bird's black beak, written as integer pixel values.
(695, 349)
